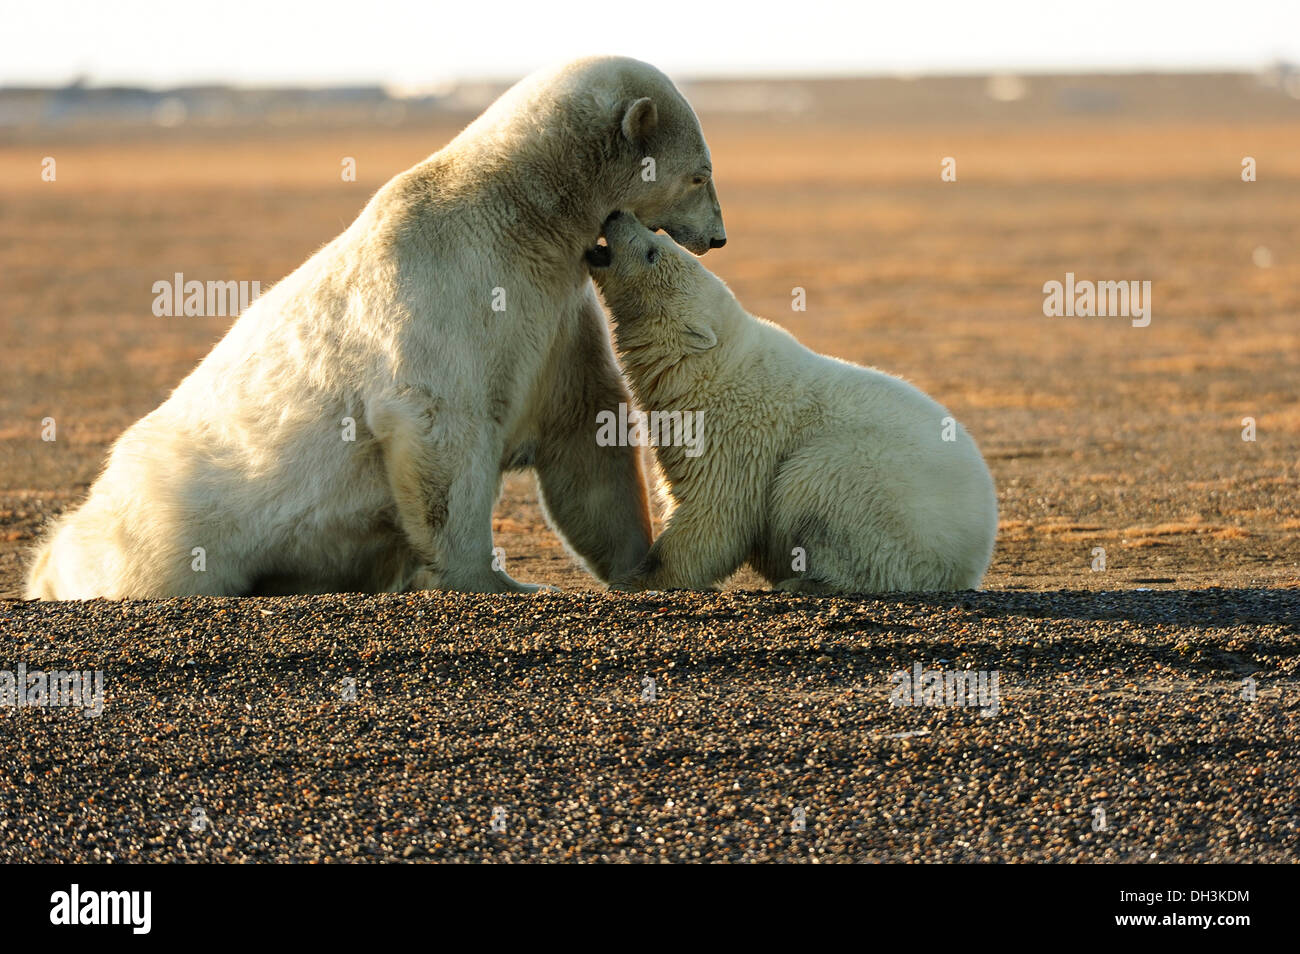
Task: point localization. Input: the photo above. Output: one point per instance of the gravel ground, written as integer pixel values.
(227, 731)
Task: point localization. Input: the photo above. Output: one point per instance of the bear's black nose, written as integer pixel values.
(616, 214)
(599, 257)
(717, 242)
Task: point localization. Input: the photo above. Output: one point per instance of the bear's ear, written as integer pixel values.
(698, 338)
(641, 117)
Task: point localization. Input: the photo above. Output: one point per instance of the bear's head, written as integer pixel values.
(650, 155)
(659, 296)
(672, 189)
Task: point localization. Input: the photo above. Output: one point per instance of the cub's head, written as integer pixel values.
(658, 294)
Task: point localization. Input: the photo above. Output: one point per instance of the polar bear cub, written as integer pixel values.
(823, 475)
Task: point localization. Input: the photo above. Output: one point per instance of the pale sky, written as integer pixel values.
(411, 43)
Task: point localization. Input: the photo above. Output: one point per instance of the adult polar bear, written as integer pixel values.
(454, 322)
(871, 479)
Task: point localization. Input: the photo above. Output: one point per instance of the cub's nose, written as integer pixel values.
(717, 242)
(616, 214)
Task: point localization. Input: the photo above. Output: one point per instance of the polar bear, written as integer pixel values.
(823, 475)
(351, 430)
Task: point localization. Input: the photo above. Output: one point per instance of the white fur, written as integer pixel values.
(392, 324)
(799, 450)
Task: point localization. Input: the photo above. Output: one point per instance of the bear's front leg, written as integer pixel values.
(444, 473)
(595, 497)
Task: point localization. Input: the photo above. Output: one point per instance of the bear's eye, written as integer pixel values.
(699, 179)
(652, 256)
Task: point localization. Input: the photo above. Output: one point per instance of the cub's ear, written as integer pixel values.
(639, 120)
(698, 338)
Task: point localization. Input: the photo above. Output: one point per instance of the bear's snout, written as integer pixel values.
(599, 256)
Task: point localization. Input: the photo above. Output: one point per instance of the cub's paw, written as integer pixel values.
(505, 583)
(627, 586)
(809, 585)
(643, 585)
(535, 588)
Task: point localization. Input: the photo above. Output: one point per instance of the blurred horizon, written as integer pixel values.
(28, 113)
(413, 48)
(1261, 70)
